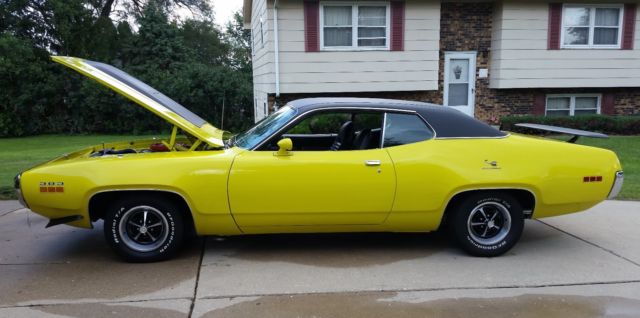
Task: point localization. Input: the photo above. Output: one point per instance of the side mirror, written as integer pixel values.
(284, 146)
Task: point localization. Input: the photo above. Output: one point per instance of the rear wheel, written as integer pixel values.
(488, 223)
(144, 229)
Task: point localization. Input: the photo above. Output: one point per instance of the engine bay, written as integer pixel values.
(137, 147)
(185, 142)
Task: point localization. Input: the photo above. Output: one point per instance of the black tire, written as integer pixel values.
(158, 239)
(487, 223)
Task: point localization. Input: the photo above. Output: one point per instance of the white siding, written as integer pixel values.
(262, 58)
(520, 58)
(415, 68)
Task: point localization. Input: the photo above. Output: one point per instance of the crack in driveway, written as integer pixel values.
(533, 286)
(94, 302)
(590, 243)
(9, 212)
(195, 288)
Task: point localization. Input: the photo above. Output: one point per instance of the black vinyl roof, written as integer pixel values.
(447, 122)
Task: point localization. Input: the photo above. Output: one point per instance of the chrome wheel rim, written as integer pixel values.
(143, 228)
(489, 223)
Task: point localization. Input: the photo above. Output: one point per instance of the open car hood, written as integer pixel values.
(146, 96)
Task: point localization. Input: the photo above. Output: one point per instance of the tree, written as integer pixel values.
(191, 61)
(239, 39)
(105, 8)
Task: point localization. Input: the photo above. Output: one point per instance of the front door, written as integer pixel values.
(311, 188)
(460, 81)
(336, 174)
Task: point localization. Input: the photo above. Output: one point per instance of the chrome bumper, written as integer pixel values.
(617, 185)
(17, 186)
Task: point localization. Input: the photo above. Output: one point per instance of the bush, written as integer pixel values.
(615, 125)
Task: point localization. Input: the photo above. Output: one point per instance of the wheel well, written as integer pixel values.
(525, 197)
(100, 202)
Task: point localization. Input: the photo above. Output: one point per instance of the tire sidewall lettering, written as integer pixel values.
(500, 244)
(488, 247)
(172, 231)
(497, 200)
(114, 225)
(117, 218)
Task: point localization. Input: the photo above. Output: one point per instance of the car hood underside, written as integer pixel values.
(145, 96)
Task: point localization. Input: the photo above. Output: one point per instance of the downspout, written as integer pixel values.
(276, 53)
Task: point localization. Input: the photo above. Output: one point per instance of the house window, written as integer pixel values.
(354, 26)
(591, 26)
(571, 105)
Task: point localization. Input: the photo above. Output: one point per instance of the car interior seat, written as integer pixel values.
(344, 140)
(362, 139)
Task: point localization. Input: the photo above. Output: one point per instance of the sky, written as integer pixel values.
(224, 10)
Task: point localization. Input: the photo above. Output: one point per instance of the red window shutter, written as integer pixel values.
(628, 26)
(555, 23)
(397, 26)
(539, 104)
(311, 26)
(607, 104)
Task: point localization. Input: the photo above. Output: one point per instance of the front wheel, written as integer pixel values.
(144, 229)
(488, 224)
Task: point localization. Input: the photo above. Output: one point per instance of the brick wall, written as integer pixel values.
(493, 103)
(467, 27)
(421, 96)
(627, 101)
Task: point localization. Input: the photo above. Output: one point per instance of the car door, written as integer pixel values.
(311, 188)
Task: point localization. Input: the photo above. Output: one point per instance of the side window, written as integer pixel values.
(327, 123)
(402, 129)
(371, 121)
(334, 131)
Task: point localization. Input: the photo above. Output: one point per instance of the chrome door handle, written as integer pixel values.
(372, 162)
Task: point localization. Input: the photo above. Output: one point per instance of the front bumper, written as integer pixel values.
(617, 185)
(17, 186)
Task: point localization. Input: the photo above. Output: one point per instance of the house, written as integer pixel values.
(487, 59)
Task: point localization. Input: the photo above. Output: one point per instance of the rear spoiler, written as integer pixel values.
(577, 133)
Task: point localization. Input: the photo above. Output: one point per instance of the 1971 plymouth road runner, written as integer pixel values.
(315, 165)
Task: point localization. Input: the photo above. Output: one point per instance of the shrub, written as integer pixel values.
(615, 125)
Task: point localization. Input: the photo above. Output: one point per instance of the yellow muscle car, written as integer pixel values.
(315, 165)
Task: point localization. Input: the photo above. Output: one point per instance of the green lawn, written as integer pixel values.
(18, 154)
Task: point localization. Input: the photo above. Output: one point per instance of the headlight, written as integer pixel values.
(17, 186)
(16, 181)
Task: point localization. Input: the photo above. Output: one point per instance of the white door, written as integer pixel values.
(460, 81)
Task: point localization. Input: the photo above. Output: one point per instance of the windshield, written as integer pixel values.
(252, 137)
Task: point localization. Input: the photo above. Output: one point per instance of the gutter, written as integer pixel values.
(276, 52)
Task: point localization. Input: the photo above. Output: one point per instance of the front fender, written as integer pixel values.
(200, 177)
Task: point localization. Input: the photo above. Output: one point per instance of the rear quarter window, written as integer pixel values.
(402, 129)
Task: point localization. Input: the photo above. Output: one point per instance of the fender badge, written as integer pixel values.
(491, 165)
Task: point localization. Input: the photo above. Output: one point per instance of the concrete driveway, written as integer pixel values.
(581, 265)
